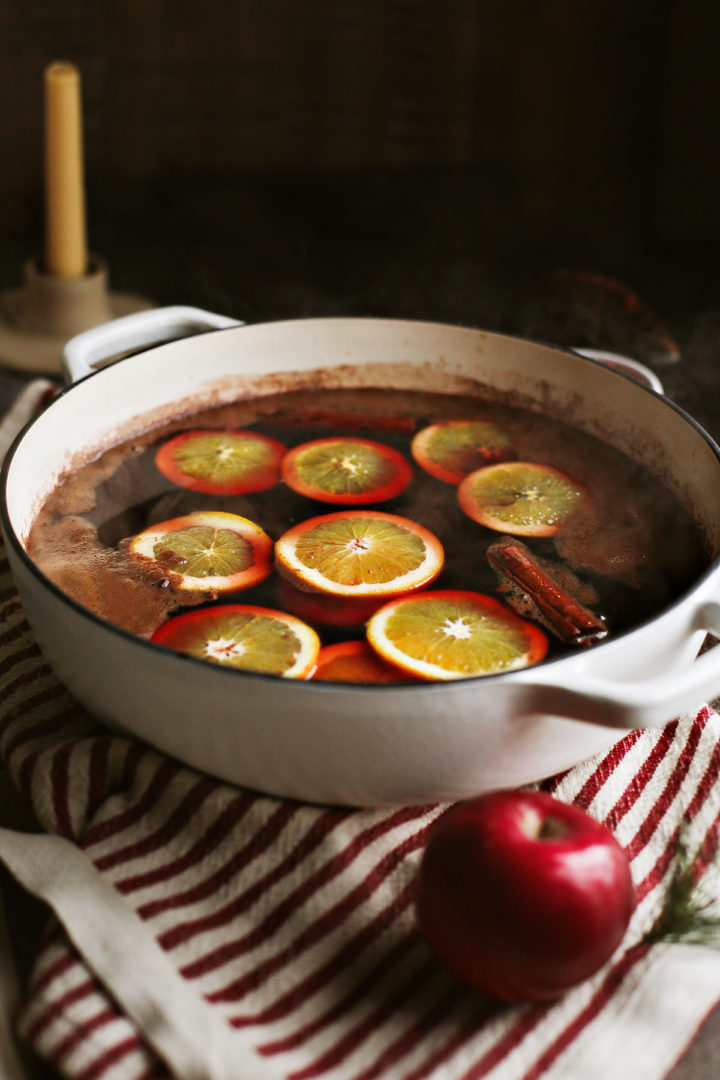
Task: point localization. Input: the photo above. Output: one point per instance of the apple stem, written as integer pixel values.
(537, 827)
(551, 829)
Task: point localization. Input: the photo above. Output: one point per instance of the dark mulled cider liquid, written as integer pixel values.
(627, 554)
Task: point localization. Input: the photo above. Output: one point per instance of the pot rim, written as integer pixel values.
(326, 686)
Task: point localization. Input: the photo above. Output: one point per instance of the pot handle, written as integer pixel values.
(86, 352)
(633, 368)
(643, 702)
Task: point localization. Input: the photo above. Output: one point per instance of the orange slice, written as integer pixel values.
(355, 662)
(359, 553)
(521, 497)
(324, 609)
(451, 449)
(221, 462)
(346, 470)
(245, 637)
(209, 551)
(451, 634)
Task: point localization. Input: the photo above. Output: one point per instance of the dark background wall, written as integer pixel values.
(403, 157)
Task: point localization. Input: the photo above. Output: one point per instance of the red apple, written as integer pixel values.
(522, 896)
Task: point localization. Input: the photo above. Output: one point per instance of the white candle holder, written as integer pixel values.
(67, 292)
(37, 319)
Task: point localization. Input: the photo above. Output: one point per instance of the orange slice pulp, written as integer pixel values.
(346, 470)
(359, 553)
(244, 637)
(521, 497)
(453, 634)
(210, 551)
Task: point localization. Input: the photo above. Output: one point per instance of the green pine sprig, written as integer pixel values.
(687, 916)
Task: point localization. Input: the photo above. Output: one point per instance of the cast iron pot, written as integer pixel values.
(336, 743)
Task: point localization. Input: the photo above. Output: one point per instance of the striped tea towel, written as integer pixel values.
(209, 932)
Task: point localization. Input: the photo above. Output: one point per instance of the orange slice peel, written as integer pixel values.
(355, 662)
(322, 608)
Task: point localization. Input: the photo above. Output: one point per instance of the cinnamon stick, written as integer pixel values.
(570, 620)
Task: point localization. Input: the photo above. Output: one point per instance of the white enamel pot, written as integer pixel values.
(336, 743)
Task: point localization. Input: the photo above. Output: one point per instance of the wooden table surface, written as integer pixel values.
(391, 244)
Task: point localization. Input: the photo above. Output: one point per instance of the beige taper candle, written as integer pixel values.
(65, 239)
